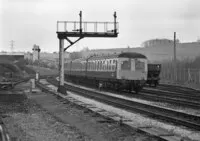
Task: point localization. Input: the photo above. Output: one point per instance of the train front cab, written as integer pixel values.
(132, 72)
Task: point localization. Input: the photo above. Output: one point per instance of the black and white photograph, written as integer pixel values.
(99, 70)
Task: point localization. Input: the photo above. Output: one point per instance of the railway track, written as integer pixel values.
(162, 97)
(185, 95)
(183, 119)
(178, 89)
(172, 98)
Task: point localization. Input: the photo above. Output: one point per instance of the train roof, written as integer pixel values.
(131, 55)
(111, 56)
(120, 55)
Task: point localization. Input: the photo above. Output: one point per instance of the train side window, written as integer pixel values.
(94, 65)
(106, 65)
(89, 66)
(97, 65)
(109, 64)
(100, 65)
(82, 66)
(113, 65)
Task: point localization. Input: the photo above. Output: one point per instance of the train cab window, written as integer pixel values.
(126, 65)
(139, 65)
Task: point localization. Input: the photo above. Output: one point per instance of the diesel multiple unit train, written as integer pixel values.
(126, 70)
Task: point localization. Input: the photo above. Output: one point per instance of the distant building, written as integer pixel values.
(36, 52)
(159, 42)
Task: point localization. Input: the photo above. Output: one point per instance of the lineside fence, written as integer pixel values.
(181, 76)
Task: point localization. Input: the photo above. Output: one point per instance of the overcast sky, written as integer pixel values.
(29, 22)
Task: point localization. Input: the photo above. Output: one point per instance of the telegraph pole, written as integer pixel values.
(175, 66)
(175, 48)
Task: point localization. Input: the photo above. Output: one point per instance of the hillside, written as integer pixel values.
(157, 52)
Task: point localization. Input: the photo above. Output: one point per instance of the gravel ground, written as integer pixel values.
(137, 118)
(44, 117)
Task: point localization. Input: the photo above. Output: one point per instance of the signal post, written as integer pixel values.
(80, 30)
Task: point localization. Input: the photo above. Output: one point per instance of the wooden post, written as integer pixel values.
(80, 14)
(61, 87)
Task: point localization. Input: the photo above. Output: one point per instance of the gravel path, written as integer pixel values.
(44, 117)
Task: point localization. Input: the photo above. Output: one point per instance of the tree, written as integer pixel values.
(75, 55)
